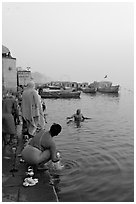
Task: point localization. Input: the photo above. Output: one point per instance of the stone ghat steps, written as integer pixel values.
(12, 181)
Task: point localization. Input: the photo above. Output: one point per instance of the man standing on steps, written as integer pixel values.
(32, 112)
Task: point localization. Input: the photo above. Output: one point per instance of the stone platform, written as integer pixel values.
(13, 174)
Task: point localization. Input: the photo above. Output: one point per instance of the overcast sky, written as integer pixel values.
(72, 41)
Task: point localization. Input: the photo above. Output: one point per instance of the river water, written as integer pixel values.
(99, 154)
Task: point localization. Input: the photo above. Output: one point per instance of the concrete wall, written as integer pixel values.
(9, 74)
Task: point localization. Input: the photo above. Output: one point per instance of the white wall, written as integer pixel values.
(9, 73)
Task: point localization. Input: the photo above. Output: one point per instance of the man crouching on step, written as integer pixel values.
(41, 148)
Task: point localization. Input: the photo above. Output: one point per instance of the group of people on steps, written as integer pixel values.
(40, 147)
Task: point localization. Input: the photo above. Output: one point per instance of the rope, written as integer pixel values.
(55, 194)
(52, 183)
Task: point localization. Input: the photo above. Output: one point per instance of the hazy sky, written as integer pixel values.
(72, 41)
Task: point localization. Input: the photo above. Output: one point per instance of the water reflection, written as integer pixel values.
(111, 94)
(55, 181)
(78, 124)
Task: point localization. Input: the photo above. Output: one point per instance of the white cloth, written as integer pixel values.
(32, 109)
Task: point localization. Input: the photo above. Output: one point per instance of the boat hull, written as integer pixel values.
(60, 94)
(111, 89)
(89, 90)
(54, 87)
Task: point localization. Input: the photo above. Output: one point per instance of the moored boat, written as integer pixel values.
(89, 90)
(106, 87)
(111, 89)
(60, 94)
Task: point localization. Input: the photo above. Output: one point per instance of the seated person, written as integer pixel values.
(41, 148)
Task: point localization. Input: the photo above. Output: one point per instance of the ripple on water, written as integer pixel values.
(70, 166)
(99, 163)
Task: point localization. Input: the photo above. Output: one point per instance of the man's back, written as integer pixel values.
(8, 105)
(30, 104)
(42, 140)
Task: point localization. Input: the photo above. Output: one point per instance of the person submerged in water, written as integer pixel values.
(78, 117)
(41, 148)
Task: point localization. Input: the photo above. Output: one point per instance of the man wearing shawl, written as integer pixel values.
(32, 109)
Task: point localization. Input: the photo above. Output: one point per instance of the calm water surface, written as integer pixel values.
(99, 154)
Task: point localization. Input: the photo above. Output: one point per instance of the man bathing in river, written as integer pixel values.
(78, 117)
(41, 148)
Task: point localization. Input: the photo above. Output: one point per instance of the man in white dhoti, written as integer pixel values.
(32, 111)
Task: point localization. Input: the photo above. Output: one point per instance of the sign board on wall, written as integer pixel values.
(24, 77)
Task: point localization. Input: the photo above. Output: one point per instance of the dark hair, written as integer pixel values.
(78, 111)
(55, 129)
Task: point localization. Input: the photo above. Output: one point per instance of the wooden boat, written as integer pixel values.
(54, 87)
(60, 94)
(106, 87)
(111, 89)
(89, 90)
